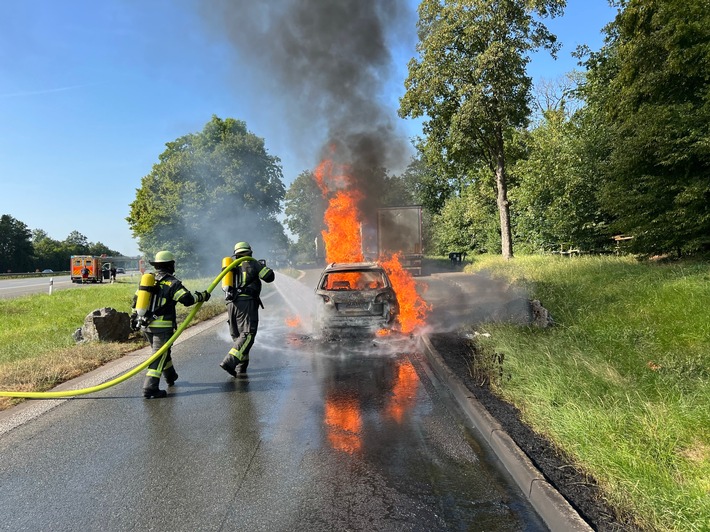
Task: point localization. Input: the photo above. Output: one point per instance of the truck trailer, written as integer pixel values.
(399, 230)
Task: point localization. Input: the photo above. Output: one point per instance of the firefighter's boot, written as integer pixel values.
(151, 388)
(241, 369)
(229, 365)
(170, 375)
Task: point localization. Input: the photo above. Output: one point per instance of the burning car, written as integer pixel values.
(354, 297)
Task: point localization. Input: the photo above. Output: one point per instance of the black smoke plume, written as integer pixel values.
(324, 70)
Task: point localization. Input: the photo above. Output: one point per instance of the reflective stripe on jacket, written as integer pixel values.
(170, 292)
(248, 278)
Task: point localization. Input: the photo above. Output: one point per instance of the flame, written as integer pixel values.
(412, 308)
(344, 422)
(293, 321)
(403, 392)
(342, 238)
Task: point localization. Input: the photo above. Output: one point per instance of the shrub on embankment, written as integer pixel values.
(37, 349)
(622, 381)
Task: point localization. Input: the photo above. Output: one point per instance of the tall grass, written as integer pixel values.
(621, 382)
(37, 348)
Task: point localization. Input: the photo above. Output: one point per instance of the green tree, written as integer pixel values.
(427, 186)
(468, 220)
(16, 251)
(77, 243)
(471, 82)
(209, 190)
(304, 209)
(554, 197)
(396, 191)
(648, 89)
(38, 234)
(50, 253)
(98, 249)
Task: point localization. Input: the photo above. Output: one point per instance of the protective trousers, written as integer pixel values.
(164, 363)
(243, 319)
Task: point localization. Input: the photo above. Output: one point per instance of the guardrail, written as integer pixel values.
(30, 274)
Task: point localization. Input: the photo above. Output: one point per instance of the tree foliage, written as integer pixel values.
(468, 220)
(470, 81)
(305, 208)
(554, 199)
(431, 186)
(99, 248)
(51, 253)
(23, 250)
(55, 254)
(648, 89)
(16, 252)
(209, 190)
(397, 190)
(77, 242)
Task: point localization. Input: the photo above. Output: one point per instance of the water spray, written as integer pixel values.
(83, 391)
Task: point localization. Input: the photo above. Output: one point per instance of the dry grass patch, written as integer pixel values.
(38, 352)
(46, 372)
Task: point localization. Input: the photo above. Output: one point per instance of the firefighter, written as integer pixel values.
(243, 304)
(160, 321)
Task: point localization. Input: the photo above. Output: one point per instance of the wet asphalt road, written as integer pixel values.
(350, 435)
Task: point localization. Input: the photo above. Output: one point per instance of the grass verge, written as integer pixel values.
(621, 382)
(37, 349)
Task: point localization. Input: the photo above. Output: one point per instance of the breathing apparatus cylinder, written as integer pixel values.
(145, 294)
(228, 279)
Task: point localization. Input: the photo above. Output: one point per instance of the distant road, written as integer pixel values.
(10, 288)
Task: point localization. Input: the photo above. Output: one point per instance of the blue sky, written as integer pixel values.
(91, 91)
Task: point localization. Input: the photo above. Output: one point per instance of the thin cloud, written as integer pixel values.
(46, 91)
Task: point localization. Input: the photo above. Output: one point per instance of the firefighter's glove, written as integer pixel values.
(135, 322)
(231, 293)
(202, 296)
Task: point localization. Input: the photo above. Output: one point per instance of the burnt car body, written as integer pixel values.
(354, 297)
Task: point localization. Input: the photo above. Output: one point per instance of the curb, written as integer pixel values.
(552, 507)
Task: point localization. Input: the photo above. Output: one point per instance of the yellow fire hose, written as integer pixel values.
(137, 369)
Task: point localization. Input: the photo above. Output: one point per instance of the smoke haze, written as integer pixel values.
(323, 72)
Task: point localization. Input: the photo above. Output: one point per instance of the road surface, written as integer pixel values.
(10, 288)
(351, 435)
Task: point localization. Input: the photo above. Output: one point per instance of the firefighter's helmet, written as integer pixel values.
(242, 249)
(162, 257)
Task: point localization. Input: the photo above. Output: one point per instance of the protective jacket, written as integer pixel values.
(169, 291)
(247, 279)
(243, 304)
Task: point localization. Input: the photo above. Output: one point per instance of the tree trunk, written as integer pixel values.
(503, 206)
